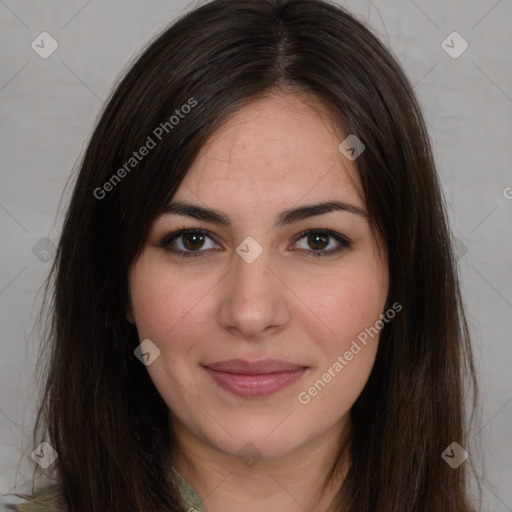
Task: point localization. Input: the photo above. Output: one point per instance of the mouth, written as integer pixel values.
(254, 378)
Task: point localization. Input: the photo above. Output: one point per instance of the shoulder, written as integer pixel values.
(48, 499)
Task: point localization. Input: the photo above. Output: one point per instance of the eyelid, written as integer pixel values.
(329, 232)
(342, 240)
(165, 242)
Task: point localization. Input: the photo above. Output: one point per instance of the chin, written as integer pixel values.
(255, 440)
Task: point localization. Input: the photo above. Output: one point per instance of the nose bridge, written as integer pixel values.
(252, 300)
(251, 278)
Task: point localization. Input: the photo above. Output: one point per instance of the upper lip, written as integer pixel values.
(244, 367)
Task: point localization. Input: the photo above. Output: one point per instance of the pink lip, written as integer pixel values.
(258, 378)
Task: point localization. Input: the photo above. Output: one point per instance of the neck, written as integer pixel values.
(292, 483)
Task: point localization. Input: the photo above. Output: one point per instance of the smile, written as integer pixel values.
(253, 379)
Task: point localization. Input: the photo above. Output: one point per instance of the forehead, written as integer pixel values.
(276, 149)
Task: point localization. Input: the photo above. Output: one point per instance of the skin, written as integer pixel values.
(276, 153)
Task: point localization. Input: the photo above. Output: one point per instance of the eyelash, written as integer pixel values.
(165, 242)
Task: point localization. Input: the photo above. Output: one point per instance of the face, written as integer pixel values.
(257, 309)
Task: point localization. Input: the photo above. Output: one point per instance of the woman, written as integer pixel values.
(256, 303)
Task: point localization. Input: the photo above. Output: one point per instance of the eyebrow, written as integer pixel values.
(285, 217)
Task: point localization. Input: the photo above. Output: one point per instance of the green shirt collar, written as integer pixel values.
(188, 494)
(50, 498)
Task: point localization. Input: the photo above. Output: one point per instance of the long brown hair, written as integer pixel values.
(100, 410)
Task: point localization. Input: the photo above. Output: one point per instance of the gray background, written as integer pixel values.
(48, 108)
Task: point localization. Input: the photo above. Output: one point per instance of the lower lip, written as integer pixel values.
(255, 385)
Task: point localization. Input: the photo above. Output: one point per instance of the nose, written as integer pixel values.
(254, 300)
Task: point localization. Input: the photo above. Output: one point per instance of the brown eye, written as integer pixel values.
(193, 241)
(188, 242)
(318, 241)
(321, 243)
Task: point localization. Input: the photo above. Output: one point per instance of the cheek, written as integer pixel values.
(360, 303)
(351, 305)
(347, 302)
(164, 300)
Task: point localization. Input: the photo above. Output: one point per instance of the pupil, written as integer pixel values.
(193, 241)
(318, 241)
